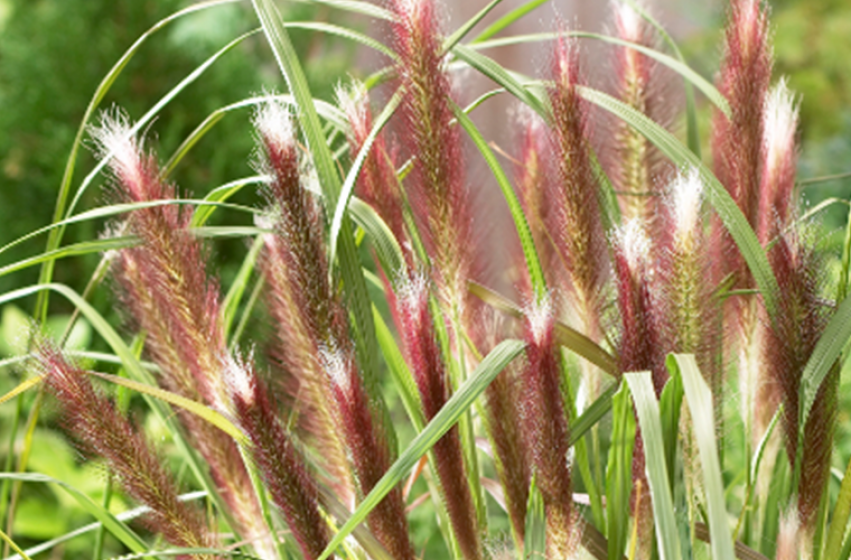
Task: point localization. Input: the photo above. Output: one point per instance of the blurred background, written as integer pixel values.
(54, 53)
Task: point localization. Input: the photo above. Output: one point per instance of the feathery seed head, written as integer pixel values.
(633, 241)
(540, 319)
(630, 24)
(274, 122)
(114, 139)
(685, 202)
(781, 122)
(779, 161)
(239, 379)
(354, 101)
(338, 367)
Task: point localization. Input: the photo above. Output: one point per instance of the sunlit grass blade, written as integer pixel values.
(352, 176)
(345, 33)
(329, 112)
(619, 473)
(462, 31)
(133, 367)
(231, 302)
(75, 250)
(55, 238)
(128, 515)
(535, 543)
(678, 66)
(348, 259)
(508, 19)
(221, 194)
(824, 356)
(500, 75)
(699, 399)
(355, 7)
(647, 409)
(116, 209)
(457, 405)
(203, 411)
(566, 336)
(399, 372)
(115, 526)
(533, 263)
(717, 195)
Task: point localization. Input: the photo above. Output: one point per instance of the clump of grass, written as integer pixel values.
(624, 263)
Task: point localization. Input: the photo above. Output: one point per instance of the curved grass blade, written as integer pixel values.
(678, 66)
(508, 19)
(593, 414)
(128, 515)
(824, 356)
(352, 176)
(467, 393)
(115, 209)
(462, 31)
(54, 240)
(718, 196)
(115, 526)
(699, 398)
(533, 263)
(231, 302)
(134, 368)
(566, 336)
(647, 409)
(501, 76)
(535, 542)
(380, 237)
(228, 231)
(22, 387)
(354, 285)
(75, 250)
(331, 114)
(203, 411)
(221, 194)
(823, 179)
(345, 33)
(619, 473)
(362, 8)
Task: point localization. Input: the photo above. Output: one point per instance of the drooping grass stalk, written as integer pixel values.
(94, 419)
(164, 284)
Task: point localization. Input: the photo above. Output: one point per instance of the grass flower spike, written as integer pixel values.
(164, 285)
(139, 468)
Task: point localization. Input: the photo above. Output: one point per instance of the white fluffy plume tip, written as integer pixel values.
(686, 198)
(781, 121)
(115, 140)
(634, 243)
(274, 122)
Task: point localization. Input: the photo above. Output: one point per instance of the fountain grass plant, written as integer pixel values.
(582, 414)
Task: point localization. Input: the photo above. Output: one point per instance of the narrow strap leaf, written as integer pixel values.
(533, 263)
(647, 409)
(699, 398)
(462, 31)
(463, 398)
(352, 176)
(508, 19)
